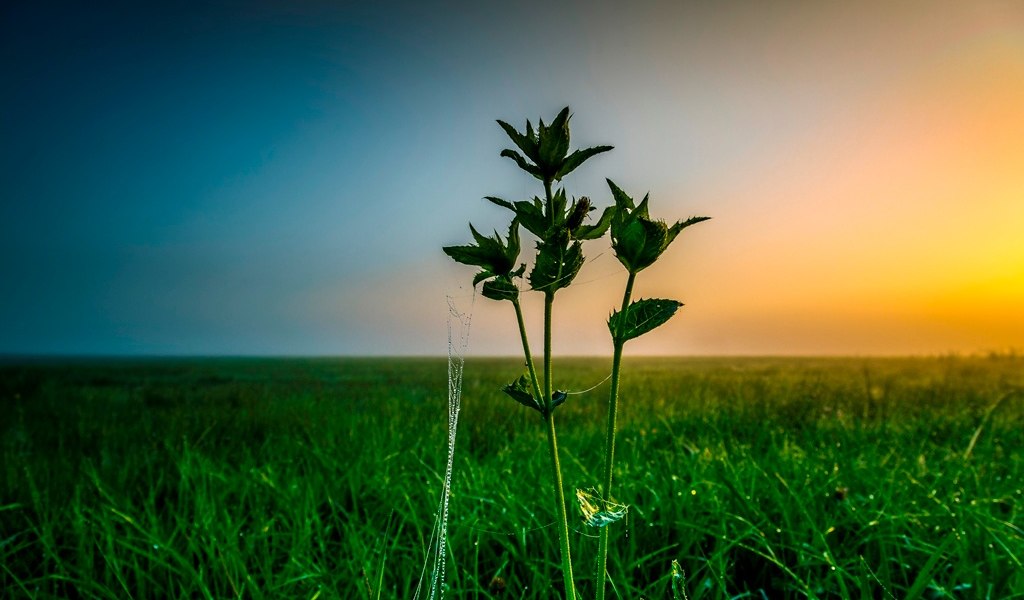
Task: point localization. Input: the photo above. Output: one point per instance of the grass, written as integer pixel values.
(777, 478)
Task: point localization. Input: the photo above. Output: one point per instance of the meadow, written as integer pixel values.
(320, 478)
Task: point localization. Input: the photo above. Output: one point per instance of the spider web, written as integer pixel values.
(458, 341)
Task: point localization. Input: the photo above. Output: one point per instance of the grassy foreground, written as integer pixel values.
(765, 478)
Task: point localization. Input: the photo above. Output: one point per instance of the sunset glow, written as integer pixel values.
(281, 181)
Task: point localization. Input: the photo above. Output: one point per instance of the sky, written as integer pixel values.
(256, 178)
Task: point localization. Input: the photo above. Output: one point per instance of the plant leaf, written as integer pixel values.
(554, 143)
(469, 255)
(622, 199)
(531, 169)
(595, 231)
(558, 262)
(494, 256)
(556, 208)
(481, 276)
(501, 202)
(640, 317)
(527, 143)
(529, 213)
(577, 158)
(500, 288)
(519, 391)
(681, 225)
(557, 399)
(511, 250)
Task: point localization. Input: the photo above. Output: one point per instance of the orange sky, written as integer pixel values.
(888, 220)
(904, 229)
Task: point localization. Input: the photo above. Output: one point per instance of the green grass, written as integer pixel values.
(777, 478)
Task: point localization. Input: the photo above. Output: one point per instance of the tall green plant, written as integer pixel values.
(560, 227)
(638, 241)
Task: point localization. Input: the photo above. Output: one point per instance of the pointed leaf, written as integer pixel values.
(554, 143)
(530, 214)
(640, 317)
(531, 169)
(512, 248)
(562, 120)
(481, 239)
(470, 255)
(558, 202)
(681, 225)
(577, 158)
(595, 231)
(491, 253)
(526, 143)
(500, 202)
(502, 257)
(622, 199)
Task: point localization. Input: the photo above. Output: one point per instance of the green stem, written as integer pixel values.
(556, 469)
(526, 351)
(609, 454)
(547, 194)
(549, 420)
(563, 515)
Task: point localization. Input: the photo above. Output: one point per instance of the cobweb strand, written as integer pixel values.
(458, 340)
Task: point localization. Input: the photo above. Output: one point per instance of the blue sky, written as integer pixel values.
(252, 178)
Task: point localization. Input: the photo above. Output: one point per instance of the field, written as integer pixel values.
(319, 478)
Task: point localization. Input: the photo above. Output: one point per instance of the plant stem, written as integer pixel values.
(549, 419)
(609, 448)
(563, 515)
(526, 351)
(556, 469)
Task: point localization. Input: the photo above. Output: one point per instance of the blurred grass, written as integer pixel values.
(279, 478)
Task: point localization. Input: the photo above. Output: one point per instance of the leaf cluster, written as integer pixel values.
(544, 153)
(638, 240)
(497, 260)
(557, 223)
(547, 220)
(560, 226)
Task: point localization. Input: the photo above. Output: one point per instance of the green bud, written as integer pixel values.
(637, 239)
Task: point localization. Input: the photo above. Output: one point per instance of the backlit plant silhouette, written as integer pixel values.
(560, 228)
